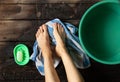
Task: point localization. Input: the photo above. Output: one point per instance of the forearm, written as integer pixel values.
(73, 74)
(50, 72)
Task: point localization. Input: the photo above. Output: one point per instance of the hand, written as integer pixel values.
(43, 40)
(59, 35)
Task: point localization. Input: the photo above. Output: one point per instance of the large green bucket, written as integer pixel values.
(99, 32)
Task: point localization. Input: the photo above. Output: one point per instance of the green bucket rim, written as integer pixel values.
(25, 55)
(79, 33)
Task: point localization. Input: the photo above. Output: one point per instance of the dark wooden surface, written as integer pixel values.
(19, 21)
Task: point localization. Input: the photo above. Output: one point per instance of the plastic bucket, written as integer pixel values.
(99, 32)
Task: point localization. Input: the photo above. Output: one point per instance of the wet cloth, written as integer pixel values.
(80, 59)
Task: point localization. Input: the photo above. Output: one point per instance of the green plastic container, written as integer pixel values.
(99, 32)
(21, 54)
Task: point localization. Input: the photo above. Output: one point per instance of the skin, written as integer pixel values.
(44, 43)
(60, 49)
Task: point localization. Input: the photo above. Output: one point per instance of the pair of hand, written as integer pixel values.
(44, 41)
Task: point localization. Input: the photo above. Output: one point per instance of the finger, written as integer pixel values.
(41, 29)
(45, 28)
(38, 32)
(55, 26)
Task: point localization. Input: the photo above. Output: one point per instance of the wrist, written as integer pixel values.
(48, 58)
(46, 53)
(64, 54)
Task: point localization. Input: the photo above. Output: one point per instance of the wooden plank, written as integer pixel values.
(44, 1)
(96, 73)
(17, 30)
(7, 64)
(27, 73)
(101, 72)
(17, 1)
(43, 11)
(21, 73)
(6, 49)
(64, 11)
(21, 30)
(74, 22)
(71, 1)
(8, 46)
(81, 9)
(17, 11)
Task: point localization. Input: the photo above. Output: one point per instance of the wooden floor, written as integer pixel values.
(19, 20)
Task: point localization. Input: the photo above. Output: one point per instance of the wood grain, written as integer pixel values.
(22, 73)
(21, 30)
(16, 30)
(17, 11)
(19, 21)
(43, 11)
(44, 1)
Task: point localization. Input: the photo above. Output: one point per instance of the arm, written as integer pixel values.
(72, 73)
(50, 72)
(43, 39)
(70, 68)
